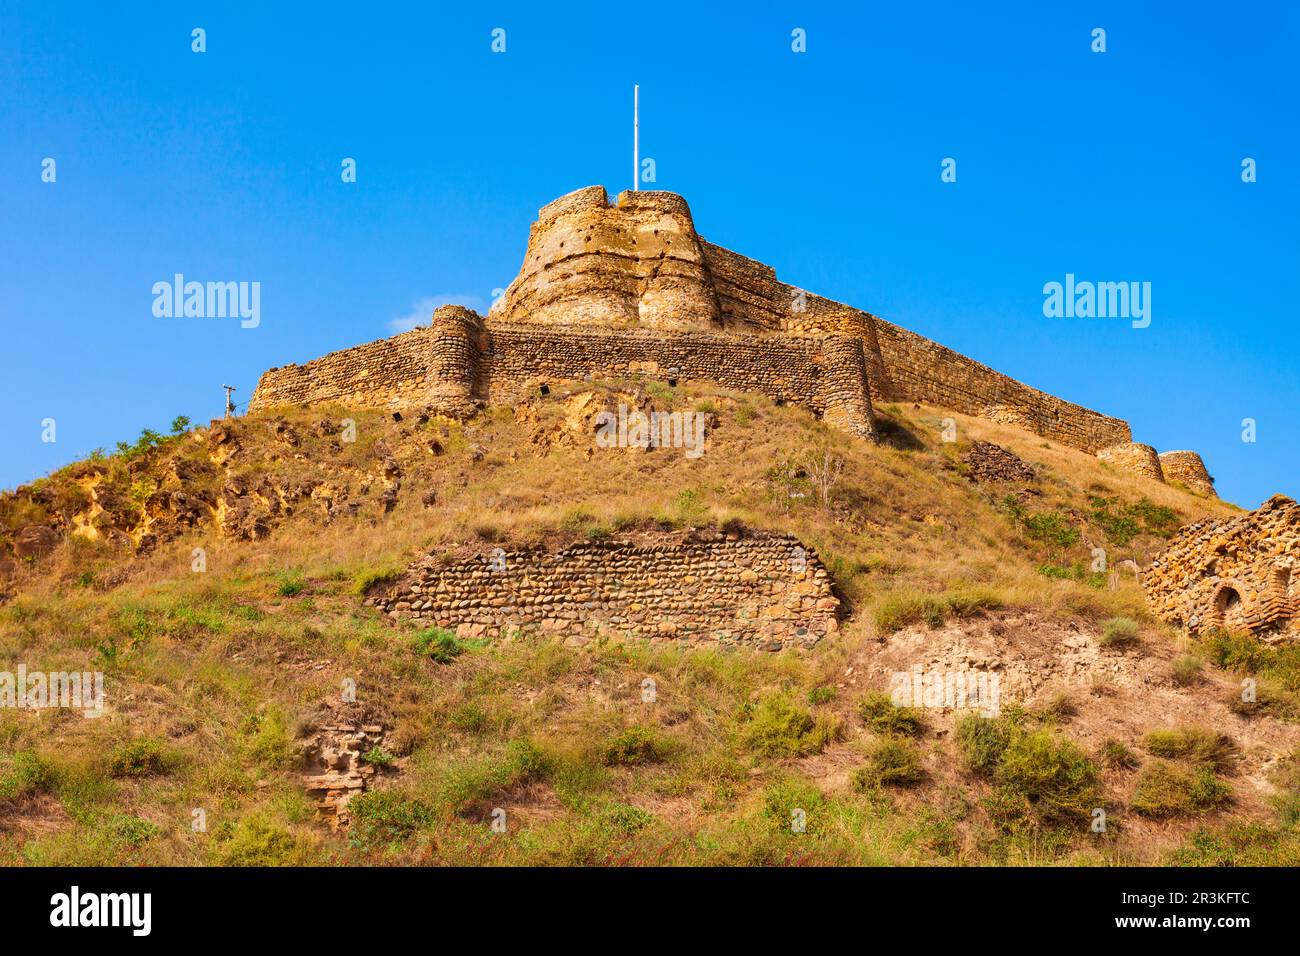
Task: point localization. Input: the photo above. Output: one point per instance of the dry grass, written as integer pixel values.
(211, 676)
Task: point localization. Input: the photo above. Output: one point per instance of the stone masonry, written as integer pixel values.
(1135, 458)
(1187, 468)
(762, 591)
(632, 288)
(1239, 573)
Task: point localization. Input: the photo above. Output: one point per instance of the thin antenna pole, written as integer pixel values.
(230, 406)
(636, 138)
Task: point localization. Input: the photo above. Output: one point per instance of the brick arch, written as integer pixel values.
(1226, 605)
(1284, 579)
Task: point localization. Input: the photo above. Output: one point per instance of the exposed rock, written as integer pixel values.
(35, 541)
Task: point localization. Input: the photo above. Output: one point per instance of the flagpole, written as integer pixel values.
(636, 138)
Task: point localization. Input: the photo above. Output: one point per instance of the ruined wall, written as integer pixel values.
(1186, 467)
(1241, 573)
(768, 592)
(1134, 458)
(383, 373)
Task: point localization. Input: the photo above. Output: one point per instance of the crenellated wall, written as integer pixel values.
(631, 287)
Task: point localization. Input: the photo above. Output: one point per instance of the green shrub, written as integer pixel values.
(884, 717)
(778, 728)
(1058, 778)
(633, 746)
(1167, 790)
(982, 741)
(1117, 756)
(145, 757)
(23, 774)
(290, 582)
(1051, 528)
(625, 818)
(378, 757)
(1186, 670)
(387, 816)
(438, 644)
(268, 740)
(890, 762)
(1118, 632)
(1194, 744)
(256, 841)
(821, 695)
(468, 782)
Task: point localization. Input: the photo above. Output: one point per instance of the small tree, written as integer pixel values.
(180, 423)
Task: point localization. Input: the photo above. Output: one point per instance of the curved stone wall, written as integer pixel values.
(638, 263)
(1187, 468)
(1134, 458)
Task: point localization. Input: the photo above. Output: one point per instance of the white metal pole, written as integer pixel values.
(636, 138)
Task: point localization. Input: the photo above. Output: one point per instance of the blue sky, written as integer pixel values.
(225, 165)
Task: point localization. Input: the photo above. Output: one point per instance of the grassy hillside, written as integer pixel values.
(216, 676)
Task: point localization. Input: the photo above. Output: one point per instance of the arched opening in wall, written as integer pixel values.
(1227, 607)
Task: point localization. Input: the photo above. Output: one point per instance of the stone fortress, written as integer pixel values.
(631, 288)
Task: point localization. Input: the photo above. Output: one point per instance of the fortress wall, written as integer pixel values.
(826, 376)
(1134, 458)
(924, 371)
(768, 592)
(1187, 468)
(387, 372)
